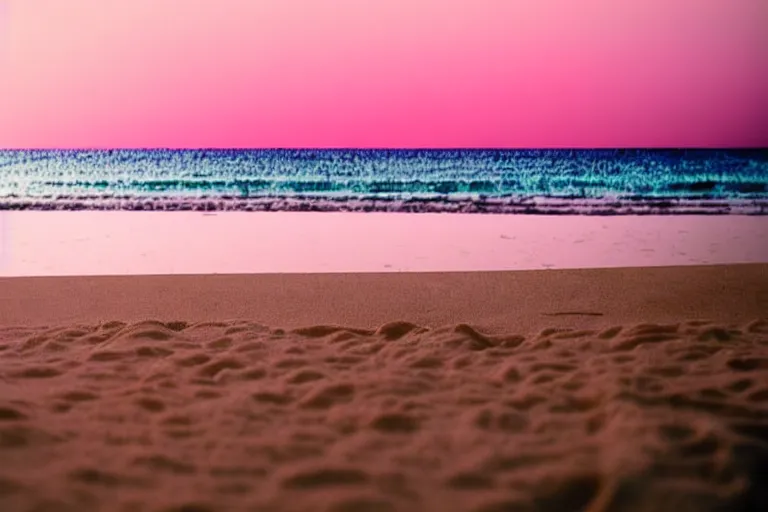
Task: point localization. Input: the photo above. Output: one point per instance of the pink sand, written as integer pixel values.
(124, 243)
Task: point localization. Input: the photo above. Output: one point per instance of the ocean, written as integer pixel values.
(584, 181)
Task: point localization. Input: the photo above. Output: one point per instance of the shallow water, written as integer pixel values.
(38, 243)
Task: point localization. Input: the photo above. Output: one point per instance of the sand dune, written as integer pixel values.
(234, 415)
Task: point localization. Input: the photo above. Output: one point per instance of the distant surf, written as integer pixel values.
(587, 181)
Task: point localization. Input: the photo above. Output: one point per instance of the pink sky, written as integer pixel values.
(390, 73)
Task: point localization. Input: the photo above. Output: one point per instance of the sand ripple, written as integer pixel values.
(238, 416)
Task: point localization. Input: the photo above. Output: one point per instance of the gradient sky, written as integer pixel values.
(389, 73)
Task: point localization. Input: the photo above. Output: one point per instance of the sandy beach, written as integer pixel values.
(383, 256)
(625, 389)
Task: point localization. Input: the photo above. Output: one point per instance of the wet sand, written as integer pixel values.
(93, 243)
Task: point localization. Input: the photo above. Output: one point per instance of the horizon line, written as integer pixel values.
(389, 148)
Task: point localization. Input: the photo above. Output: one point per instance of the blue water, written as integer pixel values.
(489, 181)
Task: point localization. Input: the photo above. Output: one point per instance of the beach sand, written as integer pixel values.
(632, 389)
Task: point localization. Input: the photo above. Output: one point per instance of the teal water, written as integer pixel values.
(505, 181)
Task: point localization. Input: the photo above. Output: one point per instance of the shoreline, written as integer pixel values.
(537, 205)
